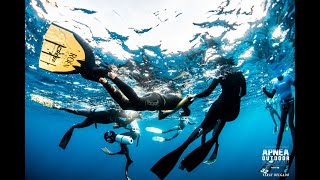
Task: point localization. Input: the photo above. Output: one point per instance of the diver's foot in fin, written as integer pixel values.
(66, 138)
(88, 74)
(106, 150)
(101, 71)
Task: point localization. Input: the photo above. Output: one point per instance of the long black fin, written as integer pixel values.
(66, 138)
(164, 166)
(192, 160)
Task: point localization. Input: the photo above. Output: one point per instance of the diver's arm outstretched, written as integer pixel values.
(208, 91)
(270, 95)
(174, 136)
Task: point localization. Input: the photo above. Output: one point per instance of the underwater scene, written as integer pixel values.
(152, 116)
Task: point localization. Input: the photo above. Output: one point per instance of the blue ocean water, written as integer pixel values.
(265, 49)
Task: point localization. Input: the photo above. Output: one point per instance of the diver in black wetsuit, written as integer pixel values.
(225, 109)
(134, 133)
(129, 100)
(94, 116)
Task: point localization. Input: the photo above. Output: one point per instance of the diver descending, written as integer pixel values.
(225, 109)
(128, 99)
(94, 116)
(123, 139)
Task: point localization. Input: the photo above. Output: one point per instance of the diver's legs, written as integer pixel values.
(82, 112)
(283, 119)
(125, 151)
(194, 135)
(174, 136)
(197, 156)
(213, 127)
(291, 121)
(87, 122)
(203, 138)
(275, 123)
(121, 99)
(126, 90)
(172, 129)
(67, 136)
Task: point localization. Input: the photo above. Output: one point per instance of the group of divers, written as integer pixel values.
(224, 109)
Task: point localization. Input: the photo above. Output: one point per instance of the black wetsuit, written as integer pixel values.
(94, 116)
(226, 108)
(129, 100)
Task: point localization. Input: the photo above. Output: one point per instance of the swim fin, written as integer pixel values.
(213, 156)
(153, 130)
(61, 51)
(192, 160)
(163, 167)
(158, 138)
(106, 150)
(42, 100)
(66, 138)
